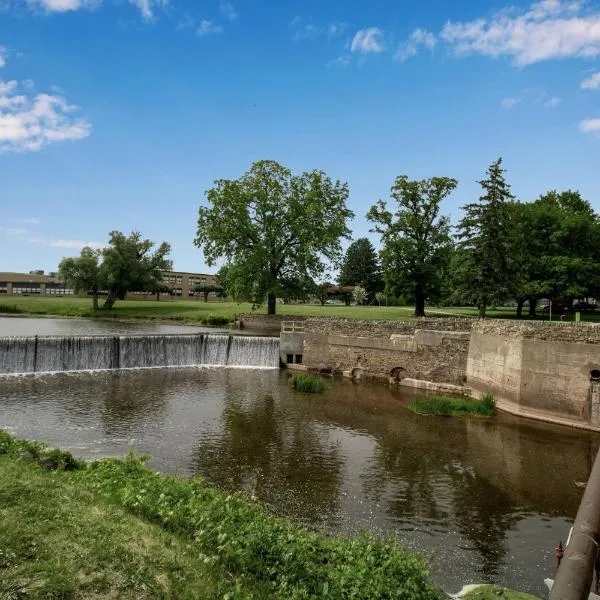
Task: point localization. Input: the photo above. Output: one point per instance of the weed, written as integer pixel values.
(454, 407)
(307, 384)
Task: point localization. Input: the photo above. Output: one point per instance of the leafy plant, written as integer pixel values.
(308, 384)
(454, 407)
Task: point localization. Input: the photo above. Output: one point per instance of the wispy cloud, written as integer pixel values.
(553, 102)
(592, 82)
(29, 221)
(307, 30)
(31, 237)
(410, 48)
(340, 61)
(207, 27)
(147, 8)
(510, 102)
(30, 122)
(367, 41)
(549, 29)
(2, 56)
(228, 10)
(590, 126)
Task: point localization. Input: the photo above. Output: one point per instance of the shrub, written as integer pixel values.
(448, 407)
(216, 320)
(10, 309)
(308, 384)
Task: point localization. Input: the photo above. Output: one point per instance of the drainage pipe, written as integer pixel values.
(576, 572)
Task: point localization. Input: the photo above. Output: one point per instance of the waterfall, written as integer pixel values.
(92, 353)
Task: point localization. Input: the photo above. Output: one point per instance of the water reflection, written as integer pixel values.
(489, 498)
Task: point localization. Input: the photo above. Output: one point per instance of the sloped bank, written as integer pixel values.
(116, 528)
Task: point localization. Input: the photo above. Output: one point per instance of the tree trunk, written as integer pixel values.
(482, 307)
(520, 303)
(419, 303)
(95, 301)
(206, 297)
(110, 300)
(271, 303)
(157, 296)
(532, 307)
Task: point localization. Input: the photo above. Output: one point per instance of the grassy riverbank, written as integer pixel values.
(116, 529)
(197, 311)
(454, 407)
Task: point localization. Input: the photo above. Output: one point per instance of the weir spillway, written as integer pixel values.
(49, 354)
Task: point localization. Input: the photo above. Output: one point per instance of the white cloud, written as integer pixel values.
(340, 61)
(30, 122)
(2, 56)
(419, 37)
(228, 10)
(368, 40)
(313, 31)
(26, 235)
(30, 221)
(547, 30)
(553, 102)
(28, 84)
(147, 8)
(75, 244)
(207, 28)
(590, 126)
(510, 102)
(592, 82)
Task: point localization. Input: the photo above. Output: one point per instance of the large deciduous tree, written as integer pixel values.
(485, 257)
(272, 226)
(415, 238)
(126, 264)
(361, 268)
(129, 264)
(83, 273)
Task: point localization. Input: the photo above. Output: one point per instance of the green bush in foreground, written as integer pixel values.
(307, 384)
(454, 407)
(237, 538)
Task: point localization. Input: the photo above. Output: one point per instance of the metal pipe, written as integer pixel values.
(576, 572)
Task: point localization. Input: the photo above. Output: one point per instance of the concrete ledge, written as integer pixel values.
(294, 367)
(431, 386)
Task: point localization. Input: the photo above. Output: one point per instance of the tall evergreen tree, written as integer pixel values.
(361, 268)
(484, 267)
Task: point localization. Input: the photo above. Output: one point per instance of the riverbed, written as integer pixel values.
(487, 499)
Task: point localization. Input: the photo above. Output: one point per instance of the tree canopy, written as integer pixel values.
(271, 227)
(486, 250)
(415, 238)
(361, 268)
(126, 264)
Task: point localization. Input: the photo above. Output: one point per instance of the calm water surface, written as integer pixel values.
(488, 500)
(25, 326)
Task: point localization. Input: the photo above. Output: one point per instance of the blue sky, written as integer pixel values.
(119, 114)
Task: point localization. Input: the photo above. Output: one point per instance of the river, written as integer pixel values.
(486, 499)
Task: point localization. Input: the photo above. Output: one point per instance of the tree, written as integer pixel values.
(205, 289)
(484, 267)
(83, 273)
(361, 267)
(380, 297)
(360, 295)
(415, 238)
(128, 264)
(322, 291)
(272, 227)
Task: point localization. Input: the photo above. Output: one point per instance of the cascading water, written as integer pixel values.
(91, 353)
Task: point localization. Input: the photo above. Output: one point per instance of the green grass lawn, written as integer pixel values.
(193, 311)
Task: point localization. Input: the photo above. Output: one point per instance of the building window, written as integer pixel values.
(26, 288)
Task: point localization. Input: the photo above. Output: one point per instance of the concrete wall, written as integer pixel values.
(536, 367)
(421, 349)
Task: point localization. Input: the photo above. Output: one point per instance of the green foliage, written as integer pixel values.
(308, 384)
(360, 295)
(361, 268)
(415, 239)
(239, 537)
(217, 320)
(484, 267)
(454, 407)
(11, 309)
(271, 227)
(126, 264)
